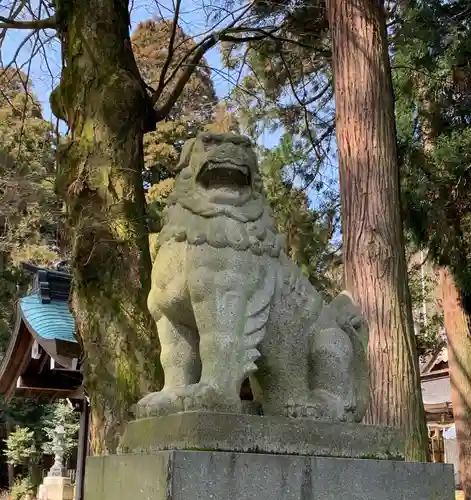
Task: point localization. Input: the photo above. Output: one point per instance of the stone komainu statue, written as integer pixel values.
(229, 304)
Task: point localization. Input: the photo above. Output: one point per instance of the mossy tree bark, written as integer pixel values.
(103, 100)
(456, 320)
(374, 254)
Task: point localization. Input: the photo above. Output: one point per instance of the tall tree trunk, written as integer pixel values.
(459, 361)
(102, 98)
(374, 254)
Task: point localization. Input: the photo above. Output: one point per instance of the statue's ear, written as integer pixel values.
(184, 157)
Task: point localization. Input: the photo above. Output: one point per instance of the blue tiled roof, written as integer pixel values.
(51, 321)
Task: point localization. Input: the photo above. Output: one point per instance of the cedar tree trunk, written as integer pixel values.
(459, 363)
(104, 103)
(374, 255)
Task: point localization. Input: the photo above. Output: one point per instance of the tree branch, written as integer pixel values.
(40, 24)
(163, 111)
(193, 63)
(197, 53)
(171, 48)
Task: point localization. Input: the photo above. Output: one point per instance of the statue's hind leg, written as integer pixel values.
(318, 381)
(339, 375)
(333, 376)
(280, 384)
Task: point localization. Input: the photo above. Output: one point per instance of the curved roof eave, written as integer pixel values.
(50, 321)
(19, 345)
(51, 325)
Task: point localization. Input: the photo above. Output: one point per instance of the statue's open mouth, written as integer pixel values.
(214, 175)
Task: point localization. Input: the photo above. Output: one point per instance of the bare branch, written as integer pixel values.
(40, 24)
(171, 48)
(198, 53)
(163, 111)
(313, 141)
(18, 50)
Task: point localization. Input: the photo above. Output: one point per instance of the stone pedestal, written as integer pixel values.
(205, 475)
(210, 456)
(56, 488)
(251, 433)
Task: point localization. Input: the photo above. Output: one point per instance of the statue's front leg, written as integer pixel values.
(179, 354)
(219, 314)
(181, 365)
(220, 289)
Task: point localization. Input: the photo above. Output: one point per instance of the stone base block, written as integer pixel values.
(56, 488)
(255, 434)
(202, 475)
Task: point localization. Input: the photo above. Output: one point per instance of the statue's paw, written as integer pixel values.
(205, 397)
(160, 403)
(303, 409)
(323, 406)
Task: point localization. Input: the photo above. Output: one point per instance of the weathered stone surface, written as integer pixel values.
(56, 488)
(229, 304)
(186, 475)
(251, 433)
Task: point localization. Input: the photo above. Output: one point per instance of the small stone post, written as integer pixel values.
(57, 485)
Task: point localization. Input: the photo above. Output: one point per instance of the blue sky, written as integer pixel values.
(45, 67)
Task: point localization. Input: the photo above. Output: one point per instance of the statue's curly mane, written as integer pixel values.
(221, 231)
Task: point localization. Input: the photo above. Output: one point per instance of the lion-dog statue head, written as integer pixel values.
(218, 197)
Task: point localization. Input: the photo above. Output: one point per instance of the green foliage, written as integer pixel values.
(432, 54)
(30, 213)
(309, 231)
(22, 412)
(23, 489)
(21, 447)
(155, 197)
(423, 282)
(33, 435)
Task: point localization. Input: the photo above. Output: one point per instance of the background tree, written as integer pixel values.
(193, 109)
(423, 279)
(432, 48)
(374, 252)
(60, 413)
(22, 451)
(32, 438)
(30, 211)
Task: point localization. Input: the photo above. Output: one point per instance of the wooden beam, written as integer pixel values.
(43, 362)
(18, 352)
(433, 375)
(20, 368)
(70, 382)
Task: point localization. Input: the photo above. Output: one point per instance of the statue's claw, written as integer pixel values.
(164, 402)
